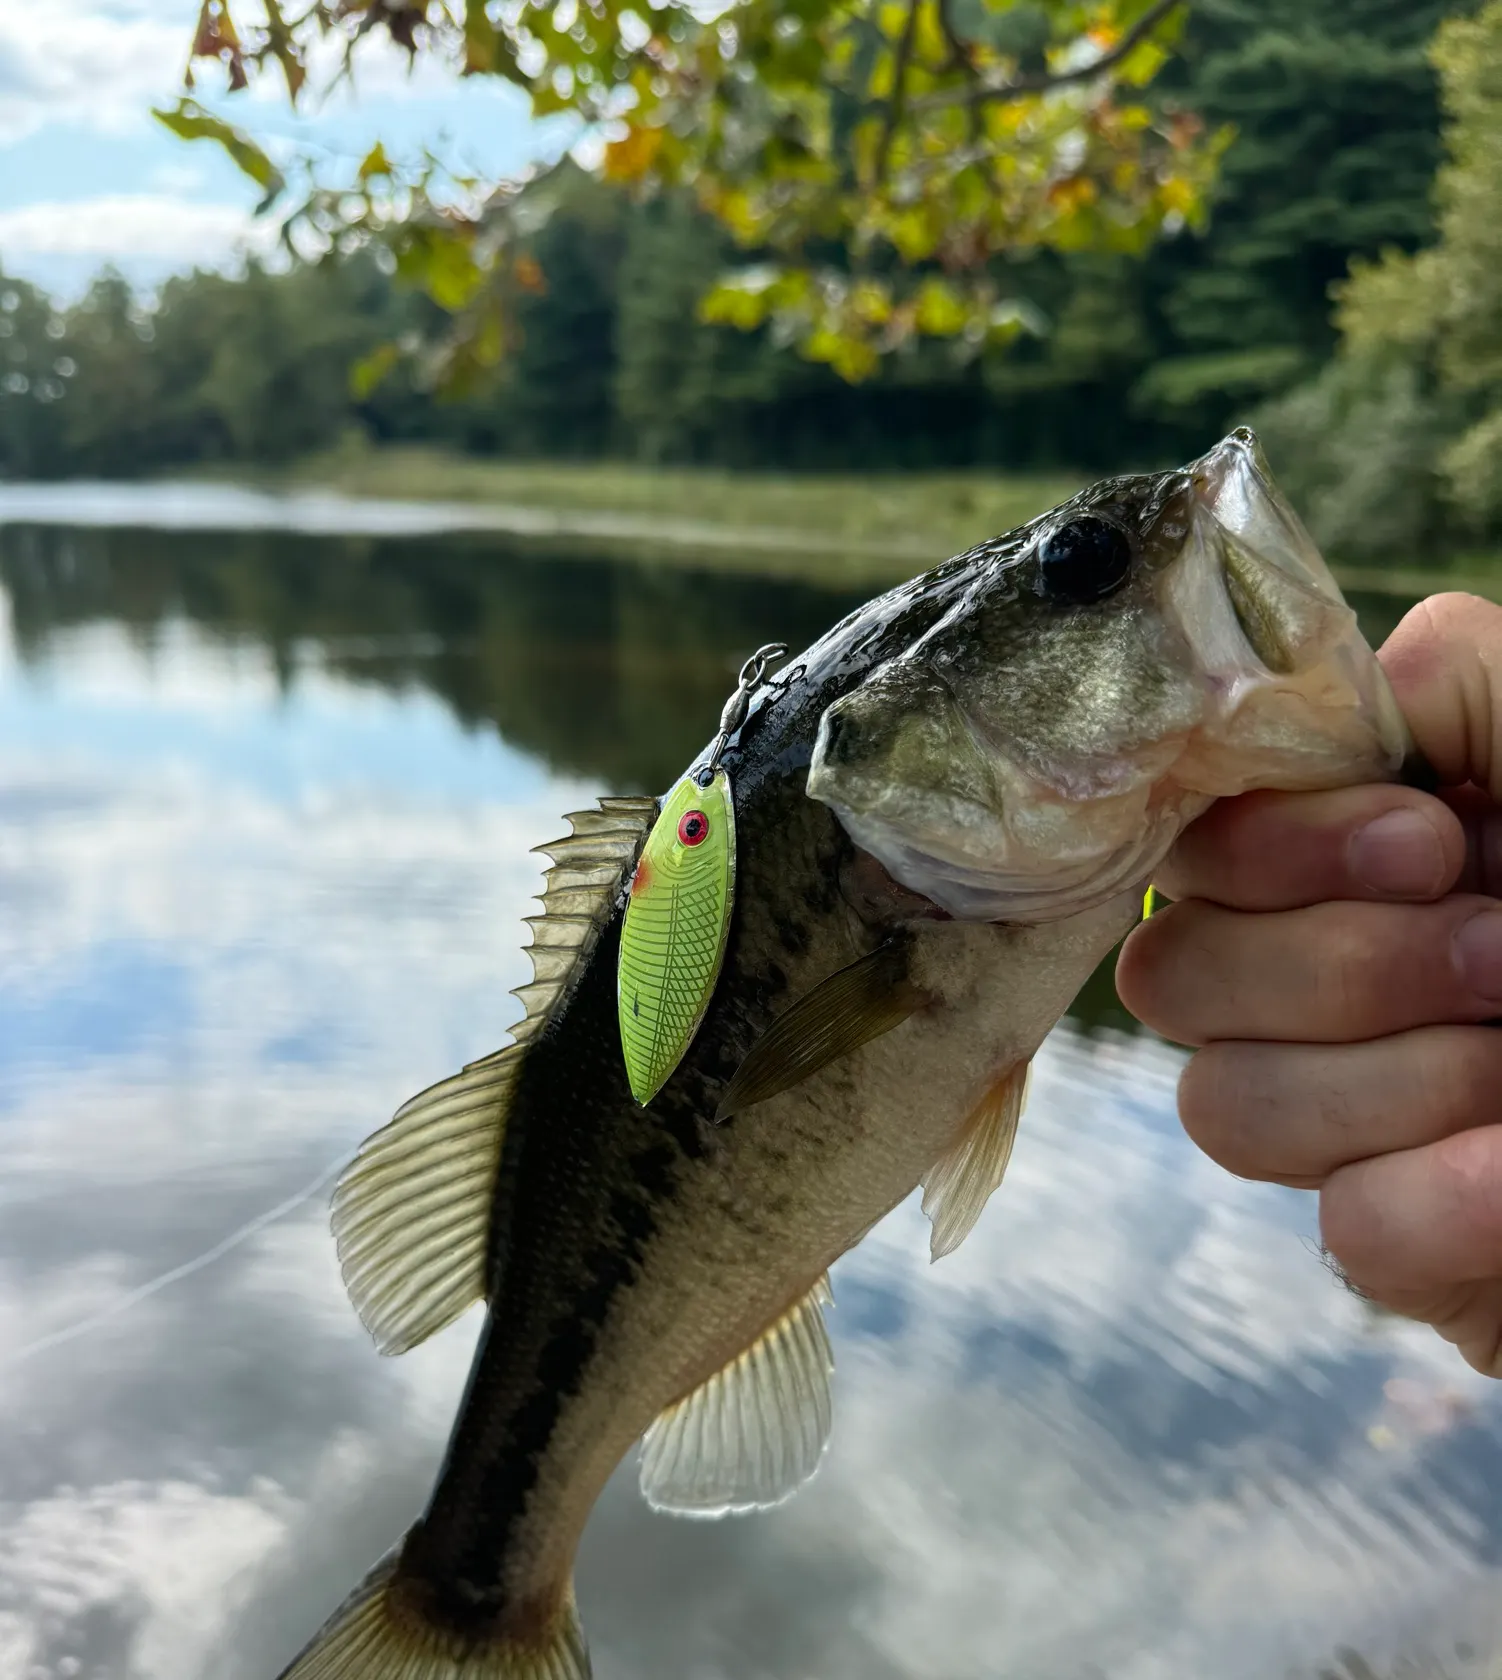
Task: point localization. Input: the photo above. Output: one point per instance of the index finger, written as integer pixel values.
(1283, 851)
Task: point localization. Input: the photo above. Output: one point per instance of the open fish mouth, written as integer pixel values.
(1295, 698)
(1032, 757)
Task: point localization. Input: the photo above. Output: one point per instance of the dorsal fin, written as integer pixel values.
(412, 1210)
(752, 1434)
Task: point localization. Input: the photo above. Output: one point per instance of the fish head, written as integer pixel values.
(1097, 679)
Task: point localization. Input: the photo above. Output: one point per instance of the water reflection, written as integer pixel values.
(610, 671)
(265, 811)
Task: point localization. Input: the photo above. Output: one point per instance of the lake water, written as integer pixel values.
(266, 804)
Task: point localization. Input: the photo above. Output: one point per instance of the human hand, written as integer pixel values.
(1333, 956)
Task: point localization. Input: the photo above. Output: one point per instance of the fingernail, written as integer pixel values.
(1478, 952)
(1399, 855)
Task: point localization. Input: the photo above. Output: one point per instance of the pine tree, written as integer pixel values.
(1336, 111)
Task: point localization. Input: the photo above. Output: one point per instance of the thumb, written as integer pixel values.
(1444, 662)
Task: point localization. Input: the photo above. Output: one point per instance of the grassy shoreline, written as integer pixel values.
(834, 529)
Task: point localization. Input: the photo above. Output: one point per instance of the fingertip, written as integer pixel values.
(1206, 1111)
(1143, 964)
(1412, 851)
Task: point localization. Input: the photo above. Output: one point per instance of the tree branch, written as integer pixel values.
(1044, 81)
(899, 91)
(959, 51)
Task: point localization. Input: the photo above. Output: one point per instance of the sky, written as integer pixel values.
(87, 177)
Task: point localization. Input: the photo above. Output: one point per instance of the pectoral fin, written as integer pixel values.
(840, 1014)
(960, 1182)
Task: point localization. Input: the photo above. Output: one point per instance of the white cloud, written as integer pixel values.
(102, 64)
(88, 62)
(170, 1549)
(132, 225)
(176, 177)
(91, 71)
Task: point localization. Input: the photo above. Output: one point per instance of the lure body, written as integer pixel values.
(676, 924)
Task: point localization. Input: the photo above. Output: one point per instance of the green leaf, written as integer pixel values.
(741, 300)
(370, 370)
(375, 162)
(189, 121)
(940, 310)
(439, 261)
(850, 357)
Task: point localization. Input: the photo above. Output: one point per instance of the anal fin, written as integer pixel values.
(755, 1432)
(959, 1184)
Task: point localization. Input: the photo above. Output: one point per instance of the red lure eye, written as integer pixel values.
(693, 828)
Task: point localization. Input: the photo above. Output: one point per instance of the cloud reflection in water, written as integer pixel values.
(1131, 1429)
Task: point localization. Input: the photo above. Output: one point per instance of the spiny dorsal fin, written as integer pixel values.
(590, 868)
(848, 1009)
(960, 1182)
(755, 1432)
(412, 1211)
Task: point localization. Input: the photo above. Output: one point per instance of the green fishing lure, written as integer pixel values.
(678, 912)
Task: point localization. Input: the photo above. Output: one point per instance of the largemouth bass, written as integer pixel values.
(946, 811)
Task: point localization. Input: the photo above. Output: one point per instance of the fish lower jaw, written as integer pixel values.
(1278, 740)
(968, 890)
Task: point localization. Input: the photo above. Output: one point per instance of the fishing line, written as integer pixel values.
(135, 1296)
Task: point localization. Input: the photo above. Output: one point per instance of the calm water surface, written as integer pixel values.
(266, 801)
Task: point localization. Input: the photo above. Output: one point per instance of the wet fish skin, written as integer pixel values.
(632, 1256)
(1024, 753)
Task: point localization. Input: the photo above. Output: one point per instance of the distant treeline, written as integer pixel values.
(1338, 125)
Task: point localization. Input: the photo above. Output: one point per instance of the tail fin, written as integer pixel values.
(369, 1637)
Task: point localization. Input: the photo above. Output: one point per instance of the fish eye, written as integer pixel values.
(1084, 559)
(693, 828)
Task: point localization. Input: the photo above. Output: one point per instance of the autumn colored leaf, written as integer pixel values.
(919, 143)
(527, 272)
(630, 157)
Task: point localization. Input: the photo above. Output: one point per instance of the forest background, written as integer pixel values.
(1367, 143)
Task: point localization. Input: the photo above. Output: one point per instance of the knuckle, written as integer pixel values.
(1459, 1079)
(1454, 612)
(1232, 844)
(1216, 1104)
(1348, 978)
(1418, 649)
(1352, 1225)
(1467, 1183)
(1150, 969)
(1223, 856)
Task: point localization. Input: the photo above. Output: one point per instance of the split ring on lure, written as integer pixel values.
(678, 910)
